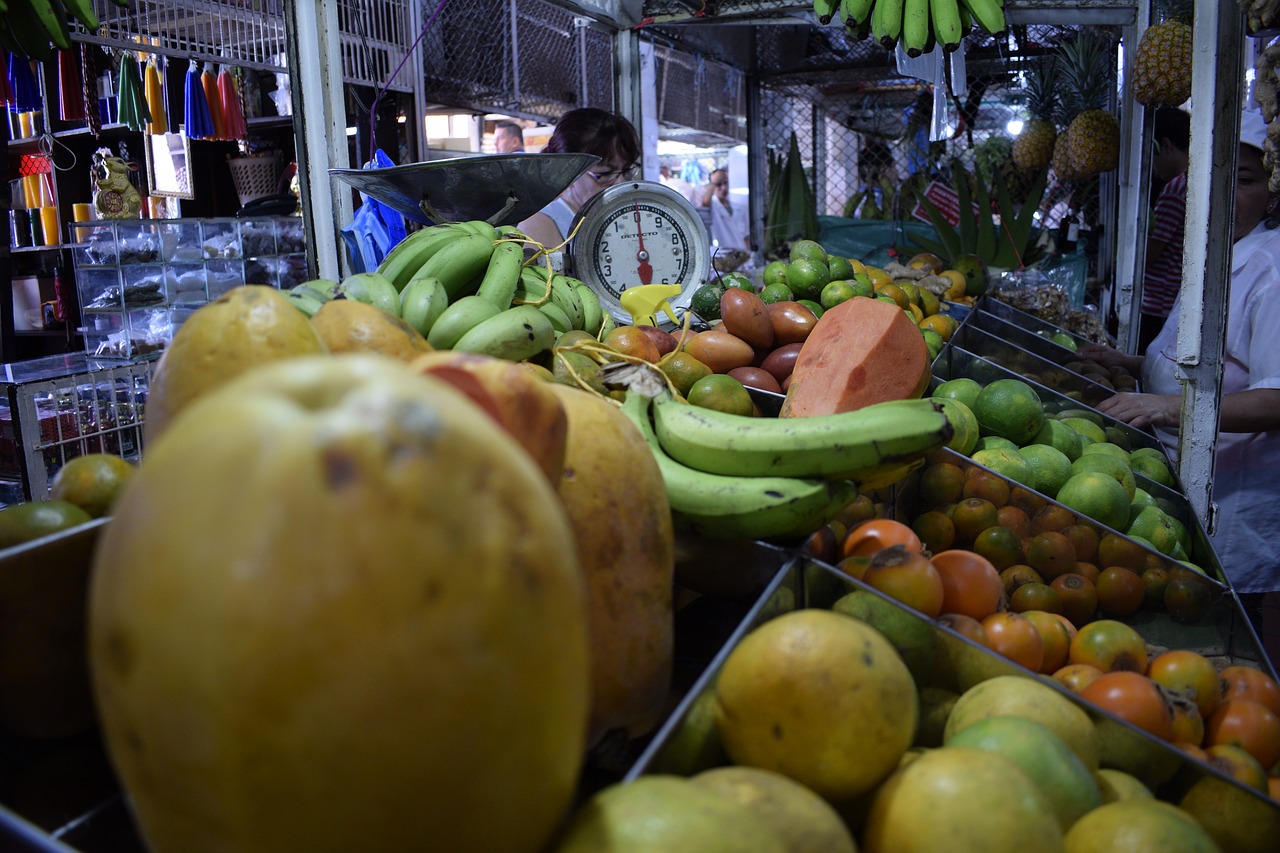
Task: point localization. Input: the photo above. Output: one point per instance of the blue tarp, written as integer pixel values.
(869, 240)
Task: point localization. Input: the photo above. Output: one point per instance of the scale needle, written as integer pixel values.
(645, 269)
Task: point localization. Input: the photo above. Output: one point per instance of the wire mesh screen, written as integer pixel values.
(373, 34)
(702, 94)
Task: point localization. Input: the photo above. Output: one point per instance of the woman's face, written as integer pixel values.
(1252, 195)
(604, 174)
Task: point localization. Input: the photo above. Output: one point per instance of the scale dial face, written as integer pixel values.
(637, 233)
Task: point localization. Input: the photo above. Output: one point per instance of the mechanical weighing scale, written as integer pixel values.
(632, 234)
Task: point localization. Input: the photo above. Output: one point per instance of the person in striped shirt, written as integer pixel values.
(1162, 277)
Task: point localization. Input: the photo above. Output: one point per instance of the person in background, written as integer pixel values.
(1162, 276)
(1248, 444)
(730, 226)
(588, 131)
(508, 138)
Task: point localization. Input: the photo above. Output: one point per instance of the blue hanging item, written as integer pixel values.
(22, 85)
(195, 110)
(375, 229)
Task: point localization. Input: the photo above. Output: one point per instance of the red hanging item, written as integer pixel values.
(232, 114)
(210, 85)
(70, 87)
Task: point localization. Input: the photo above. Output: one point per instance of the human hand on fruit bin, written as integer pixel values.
(1141, 410)
(1110, 357)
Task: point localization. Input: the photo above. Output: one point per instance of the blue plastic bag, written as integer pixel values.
(375, 229)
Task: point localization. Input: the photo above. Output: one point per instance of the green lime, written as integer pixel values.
(1105, 463)
(684, 370)
(27, 521)
(863, 285)
(1009, 408)
(812, 306)
(988, 442)
(836, 292)
(1059, 436)
(1007, 462)
(1086, 428)
(1062, 339)
(777, 292)
(963, 389)
(1108, 448)
(934, 342)
(1050, 467)
(738, 280)
(706, 301)
(1153, 469)
(807, 277)
(723, 393)
(774, 272)
(1098, 496)
(840, 267)
(808, 249)
(1153, 525)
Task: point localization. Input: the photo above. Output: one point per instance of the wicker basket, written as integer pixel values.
(255, 177)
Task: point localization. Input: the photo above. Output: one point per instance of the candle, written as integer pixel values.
(24, 125)
(49, 225)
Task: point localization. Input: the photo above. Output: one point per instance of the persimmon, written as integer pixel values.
(1120, 591)
(1035, 596)
(1188, 725)
(1013, 636)
(1134, 698)
(1187, 601)
(1079, 598)
(936, 530)
(972, 516)
(999, 544)
(1088, 570)
(940, 484)
(1026, 500)
(1085, 538)
(1015, 576)
(970, 583)
(1111, 646)
(1190, 673)
(1249, 725)
(985, 485)
(907, 576)
(1245, 682)
(1050, 553)
(1052, 517)
(966, 626)
(1077, 676)
(876, 534)
(1015, 519)
(1154, 582)
(1053, 637)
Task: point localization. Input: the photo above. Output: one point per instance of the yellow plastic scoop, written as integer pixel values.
(644, 301)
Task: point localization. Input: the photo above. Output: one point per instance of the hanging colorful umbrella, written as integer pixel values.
(210, 84)
(70, 87)
(155, 98)
(131, 100)
(22, 83)
(232, 115)
(198, 120)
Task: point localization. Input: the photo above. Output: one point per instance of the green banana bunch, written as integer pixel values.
(373, 289)
(515, 334)
(422, 302)
(825, 10)
(458, 318)
(842, 446)
(407, 257)
(919, 25)
(502, 274)
(460, 264)
(310, 296)
(730, 507)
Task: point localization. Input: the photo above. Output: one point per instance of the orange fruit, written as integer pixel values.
(944, 324)
(92, 482)
(723, 393)
(896, 293)
(955, 291)
(683, 370)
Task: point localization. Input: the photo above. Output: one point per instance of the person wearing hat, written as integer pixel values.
(1248, 445)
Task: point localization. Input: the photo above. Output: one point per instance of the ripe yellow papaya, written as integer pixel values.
(339, 609)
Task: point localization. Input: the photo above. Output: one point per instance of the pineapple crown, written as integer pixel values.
(1042, 90)
(1084, 68)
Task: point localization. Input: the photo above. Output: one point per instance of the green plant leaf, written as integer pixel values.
(986, 245)
(968, 225)
(947, 234)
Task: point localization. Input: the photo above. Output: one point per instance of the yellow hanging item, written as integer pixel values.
(155, 99)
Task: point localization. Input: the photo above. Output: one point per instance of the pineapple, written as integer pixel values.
(1162, 66)
(1061, 160)
(1033, 147)
(1093, 135)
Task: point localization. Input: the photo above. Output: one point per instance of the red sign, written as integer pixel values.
(945, 199)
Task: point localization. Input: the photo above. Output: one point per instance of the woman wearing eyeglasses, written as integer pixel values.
(586, 131)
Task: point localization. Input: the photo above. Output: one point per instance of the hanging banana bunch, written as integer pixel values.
(918, 25)
(32, 28)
